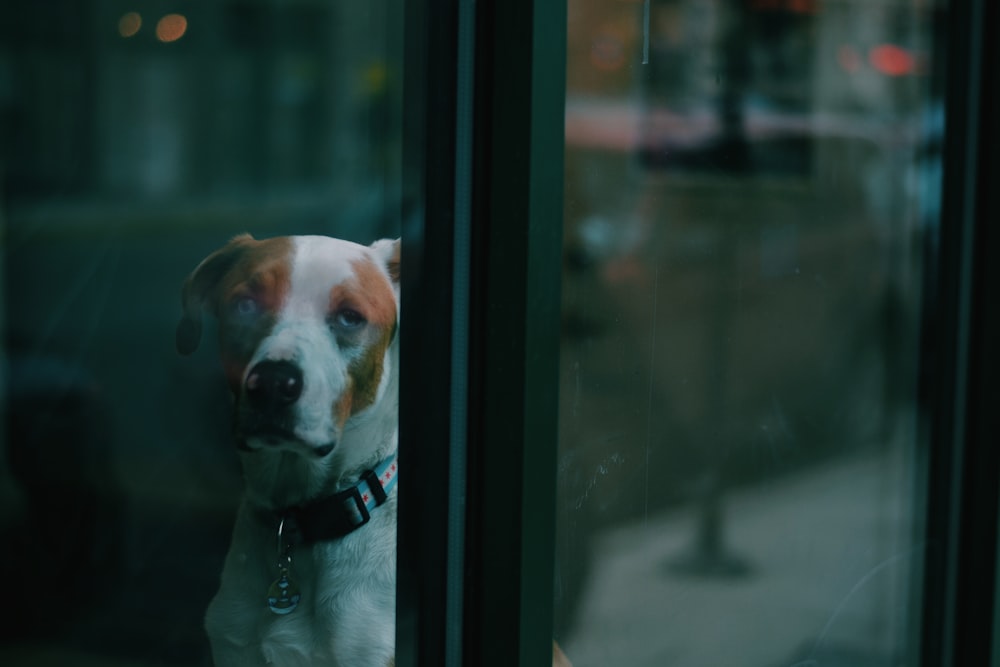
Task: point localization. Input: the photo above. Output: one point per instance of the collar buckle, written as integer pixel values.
(363, 516)
(375, 486)
(335, 516)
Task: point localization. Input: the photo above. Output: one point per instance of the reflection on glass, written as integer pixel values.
(749, 185)
(133, 141)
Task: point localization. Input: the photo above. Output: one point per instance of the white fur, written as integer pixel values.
(346, 616)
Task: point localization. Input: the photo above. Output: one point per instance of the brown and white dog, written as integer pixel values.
(308, 333)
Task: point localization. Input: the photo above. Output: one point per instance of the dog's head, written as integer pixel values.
(307, 330)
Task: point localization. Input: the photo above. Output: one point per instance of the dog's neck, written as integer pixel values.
(280, 480)
(276, 480)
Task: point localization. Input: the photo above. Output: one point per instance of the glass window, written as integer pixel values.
(705, 263)
(750, 190)
(135, 138)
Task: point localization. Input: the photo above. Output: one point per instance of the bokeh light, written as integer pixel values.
(129, 24)
(171, 27)
(892, 60)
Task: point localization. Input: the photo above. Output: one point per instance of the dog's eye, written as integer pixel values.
(345, 318)
(245, 306)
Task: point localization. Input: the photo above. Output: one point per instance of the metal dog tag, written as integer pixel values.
(283, 596)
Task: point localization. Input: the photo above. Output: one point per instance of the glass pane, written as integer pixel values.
(750, 189)
(136, 138)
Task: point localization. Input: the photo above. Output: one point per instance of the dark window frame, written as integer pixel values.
(482, 247)
(959, 359)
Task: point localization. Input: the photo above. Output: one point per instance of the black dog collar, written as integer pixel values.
(334, 516)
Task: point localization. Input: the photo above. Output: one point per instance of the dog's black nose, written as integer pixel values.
(273, 384)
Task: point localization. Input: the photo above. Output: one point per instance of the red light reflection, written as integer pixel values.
(892, 60)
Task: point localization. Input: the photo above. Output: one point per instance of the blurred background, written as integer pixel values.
(751, 187)
(135, 138)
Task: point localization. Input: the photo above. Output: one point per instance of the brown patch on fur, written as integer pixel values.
(369, 293)
(366, 372)
(343, 408)
(263, 273)
(243, 268)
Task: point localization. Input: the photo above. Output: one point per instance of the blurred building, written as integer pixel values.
(159, 99)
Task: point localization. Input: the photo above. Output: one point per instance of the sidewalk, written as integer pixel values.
(832, 558)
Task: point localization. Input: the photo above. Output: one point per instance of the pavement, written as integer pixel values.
(831, 557)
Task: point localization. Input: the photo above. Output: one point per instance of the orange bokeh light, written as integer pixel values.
(171, 27)
(129, 24)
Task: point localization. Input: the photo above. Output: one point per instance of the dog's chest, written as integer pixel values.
(345, 615)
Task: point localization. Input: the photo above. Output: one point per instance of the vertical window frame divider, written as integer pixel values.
(986, 422)
(959, 362)
(514, 342)
(433, 339)
(484, 102)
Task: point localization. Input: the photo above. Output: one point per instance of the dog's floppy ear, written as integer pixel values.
(387, 250)
(199, 286)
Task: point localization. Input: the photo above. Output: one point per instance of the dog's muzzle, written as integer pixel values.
(271, 389)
